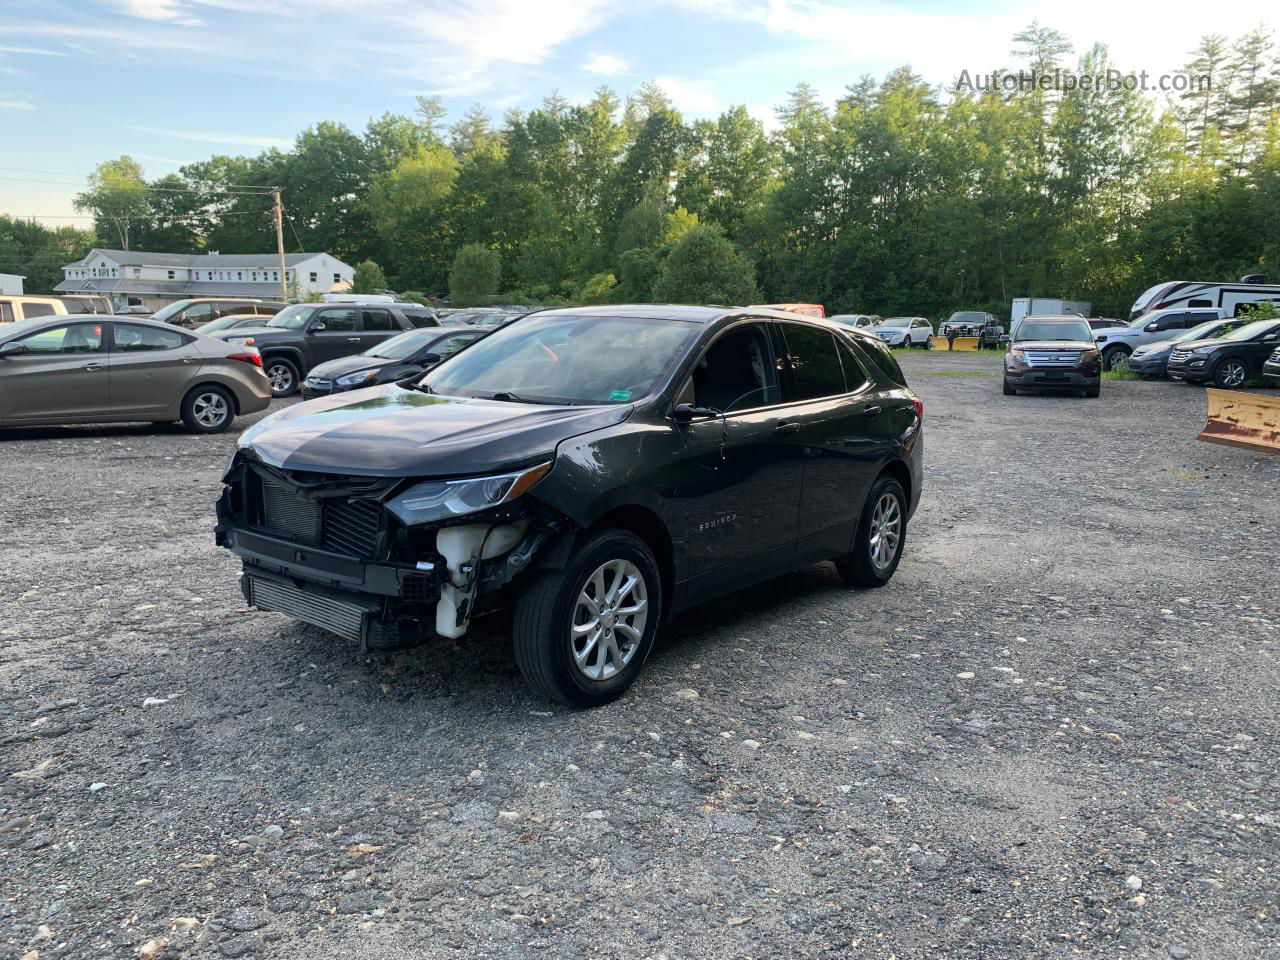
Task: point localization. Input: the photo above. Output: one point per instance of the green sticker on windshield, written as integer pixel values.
(620, 395)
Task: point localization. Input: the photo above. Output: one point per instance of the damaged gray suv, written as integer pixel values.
(596, 470)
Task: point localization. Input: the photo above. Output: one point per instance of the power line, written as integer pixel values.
(82, 179)
(140, 216)
(209, 191)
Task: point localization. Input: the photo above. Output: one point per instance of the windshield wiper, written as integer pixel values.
(508, 397)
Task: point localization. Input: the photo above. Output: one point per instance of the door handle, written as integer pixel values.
(353, 339)
(786, 429)
(188, 359)
(872, 411)
(91, 367)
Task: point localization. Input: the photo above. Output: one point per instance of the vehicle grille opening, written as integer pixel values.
(351, 527)
(290, 513)
(344, 619)
(1046, 358)
(344, 525)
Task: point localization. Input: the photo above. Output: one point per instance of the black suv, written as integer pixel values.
(306, 334)
(598, 468)
(1230, 361)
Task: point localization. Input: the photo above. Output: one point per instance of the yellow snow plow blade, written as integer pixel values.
(939, 343)
(1248, 420)
(968, 344)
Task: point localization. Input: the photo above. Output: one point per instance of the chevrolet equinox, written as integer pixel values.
(596, 469)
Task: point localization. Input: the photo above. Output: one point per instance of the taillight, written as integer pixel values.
(919, 405)
(255, 358)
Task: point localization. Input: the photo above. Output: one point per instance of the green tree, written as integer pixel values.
(117, 198)
(368, 278)
(705, 267)
(475, 276)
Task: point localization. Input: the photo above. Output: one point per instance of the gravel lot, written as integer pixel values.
(1053, 735)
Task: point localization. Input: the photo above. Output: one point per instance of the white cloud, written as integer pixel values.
(16, 105)
(689, 96)
(605, 65)
(232, 139)
(33, 51)
(165, 11)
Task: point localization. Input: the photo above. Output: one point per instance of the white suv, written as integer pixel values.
(1119, 343)
(904, 331)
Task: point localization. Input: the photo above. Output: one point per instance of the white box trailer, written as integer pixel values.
(1045, 307)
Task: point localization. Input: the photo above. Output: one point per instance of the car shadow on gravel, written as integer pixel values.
(90, 432)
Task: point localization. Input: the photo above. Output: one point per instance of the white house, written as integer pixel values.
(139, 278)
(11, 284)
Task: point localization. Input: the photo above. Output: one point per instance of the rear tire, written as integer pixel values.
(283, 374)
(208, 409)
(578, 651)
(882, 533)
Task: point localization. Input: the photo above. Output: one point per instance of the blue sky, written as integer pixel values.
(172, 81)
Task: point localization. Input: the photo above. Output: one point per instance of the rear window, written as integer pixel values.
(878, 356)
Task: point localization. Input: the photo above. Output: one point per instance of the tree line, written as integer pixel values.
(901, 198)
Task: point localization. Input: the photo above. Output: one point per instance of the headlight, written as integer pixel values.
(1089, 355)
(357, 379)
(1203, 350)
(442, 499)
(1018, 353)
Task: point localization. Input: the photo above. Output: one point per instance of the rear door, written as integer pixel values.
(62, 376)
(840, 433)
(149, 368)
(376, 325)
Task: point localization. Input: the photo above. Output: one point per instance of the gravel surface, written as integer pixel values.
(1052, 735)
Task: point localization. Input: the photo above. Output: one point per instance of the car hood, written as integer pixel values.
(395, 432)
(1197, 344)
(1051, 345)
(1155, 349)
(343, 365)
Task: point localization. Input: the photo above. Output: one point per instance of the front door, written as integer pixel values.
(737, 487)
(61, 376)
(148, 367)
(842, 436)
(334, 332)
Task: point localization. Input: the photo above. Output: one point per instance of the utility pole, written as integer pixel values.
(279, 218)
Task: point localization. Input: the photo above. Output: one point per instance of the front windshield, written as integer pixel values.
(400, 347)
(293, 317)
(1251, 330)
(1059, 330)
(164, 313)
(1199, 331)
(968, 316)
(897, 322)
(573, 358)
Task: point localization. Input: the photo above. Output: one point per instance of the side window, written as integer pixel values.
(814, 362)
(421, 319)
(1199, 303)
(855, 374)
(450, 345)
(73, 338)
(881, 358)
(33, 310)
(134, 338)
(737, 372)
(378, 320)
(341, 320)
(199, 313)
(6, 311)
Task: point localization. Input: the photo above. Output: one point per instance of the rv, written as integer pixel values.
(1189, 293)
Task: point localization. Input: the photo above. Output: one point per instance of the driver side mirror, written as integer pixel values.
(317, 327)
(1152, 327)
(688, 412)
(12, 349)
(430, 359)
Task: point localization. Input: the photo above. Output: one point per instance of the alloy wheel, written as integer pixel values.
(886, 531)
(210, 410)
(1233, 374)
(609, 618)
(281, 377)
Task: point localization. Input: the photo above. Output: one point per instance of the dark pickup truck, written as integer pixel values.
(304, 335)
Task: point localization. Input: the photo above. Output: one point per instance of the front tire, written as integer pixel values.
(882, 533)
(582, 634)
(208, 409)
(284, 376)
(1113, 356)
(1231, 374)
(1008, 390)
